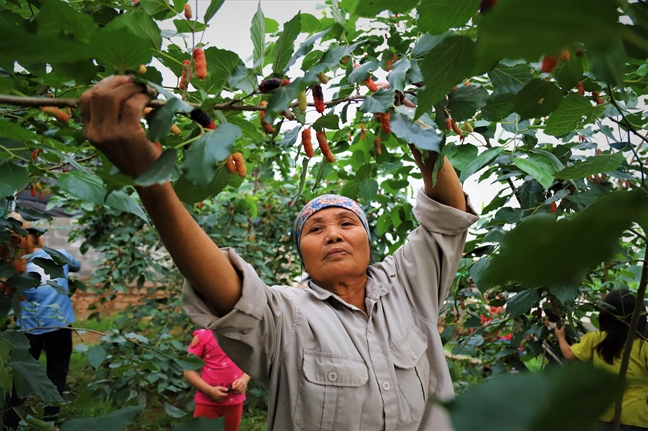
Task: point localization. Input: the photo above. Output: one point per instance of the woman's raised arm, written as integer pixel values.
(111, 122)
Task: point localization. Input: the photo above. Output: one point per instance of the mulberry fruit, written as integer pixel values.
(269, 85)
(323, 78)
(201, 117)
(384, 122)
(371, 85)
(229, 164)
(307, 142)
(142, 69)
(486, 5)
(175, 130)
(302, 102)
(241, 169)
(187, 11)
(378, 145)
(186, 71)
(200, 63)
(553, 208)
(318, 98)
(456, 128)
(56, 113)
(581, 89)
(363, 132)
(565, 55)
(448, 124)
(323, 145)
(549, 63)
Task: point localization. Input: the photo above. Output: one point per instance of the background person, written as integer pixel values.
(605, 348)
(221, 385)
(359, 347)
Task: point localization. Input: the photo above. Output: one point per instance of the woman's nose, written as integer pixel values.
(333, 235)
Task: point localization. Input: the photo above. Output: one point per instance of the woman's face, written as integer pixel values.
(334, 244)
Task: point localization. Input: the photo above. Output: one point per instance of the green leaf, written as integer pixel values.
(257, 33)
(15, 132)
(398, 74)
(214, 6)
(530, 29)
(12, 177)
(49, 267)
(330, 121)
(188, 26)
(498, 107)
(190, 362)
(157, 9)
(363, 71)
(96, 356)
(417, 132)
(248, 128)
(173, 411)
(566, 293)
(609, 62)
(221, 63)
(57, 18)
(537, 99)
(281, 98)
(27, 48)
(307, 46)
(38, 424)
(591, 166)
(569, 115)
(537, 166)
(285, 45)
(447, 64)
(368, 189)
(538, 401)
(371, 8)
(200, 161)
(425, 43)
(464, 101)
(332, 57)
(122, 201)
(522, 302)
(479, 162)
(121, 49)
(380, 101)
(542, 251)
(58, 257)
(113, 421)
(510, 79)
(570, 73)
(161, 119)
(139, 23)
(438, 16)
(32, 378)
(160, 171)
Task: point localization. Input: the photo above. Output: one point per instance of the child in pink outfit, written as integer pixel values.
(221, 385)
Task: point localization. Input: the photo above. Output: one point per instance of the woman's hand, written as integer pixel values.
(217, 393)
(111, 113)
(559, 332)
(240, 385)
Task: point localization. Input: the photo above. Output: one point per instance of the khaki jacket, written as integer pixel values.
(327, 365)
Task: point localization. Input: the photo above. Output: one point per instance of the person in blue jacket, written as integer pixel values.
(46, 318)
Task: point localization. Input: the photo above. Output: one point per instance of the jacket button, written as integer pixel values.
(332, 376)
(414, 356)
(386, 385)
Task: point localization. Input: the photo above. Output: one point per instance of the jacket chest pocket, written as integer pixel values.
(412, 373)
(330, 385)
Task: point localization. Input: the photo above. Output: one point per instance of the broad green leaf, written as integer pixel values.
(332, 57)
(566, 293)
(173, 411)
(200, 160)
(38, 424)
(330, 121)
(479, 162)
(214, 6)
(32, 378)
(380, 101)
(113, 421)
(371, 8)
(530, 29)
(121, 49)
(248, 128)
(477, 269)
(417, 132)
(464, 101)
(511, 79)
(49, 267)
(15, 132)
(243, 79)
(538, 167)
(537, 99)
(285, 45)
(122, 201)
(569, 73)
(397, 76)
(425, 43)
(498, 107)
(462, 155)
(190, 362)
(161, 119)
(221, 63)
(522, 302)
(591, 166)
(57, 18)
(190, 193)
(257, 33)
(284, 95)
(18, 45)
(447, 64)
(201, 424)
(160, 171)
(307, 46)
(438, 16)
(569, 115)
(12, 177)
(188, 26)
(542, 251)
(96, 356)
(309, 23)
(608, 63)
(157, 9)
(538, 401)
(368, 189)
(139, 24)
(58, 257)
(363, 71)
(83, 186)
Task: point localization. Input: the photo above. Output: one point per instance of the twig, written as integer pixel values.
(634, 231)
(508, 180)
(62, 327)
(634, 324)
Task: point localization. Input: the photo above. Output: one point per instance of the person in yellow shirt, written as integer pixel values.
(605, 348)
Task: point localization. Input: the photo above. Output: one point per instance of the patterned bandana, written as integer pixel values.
(320, 203)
